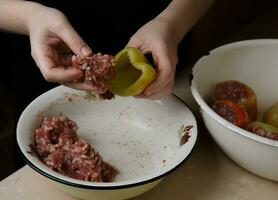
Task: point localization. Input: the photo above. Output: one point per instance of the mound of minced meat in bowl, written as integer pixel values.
(57, 144)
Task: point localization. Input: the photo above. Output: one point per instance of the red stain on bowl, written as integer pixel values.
(185, 134)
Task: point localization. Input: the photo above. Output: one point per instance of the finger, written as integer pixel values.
(55, 74)
(164, 92)
(146, 51)
(61, 74)
(166, 72)
(49, 69)
(133, 43)
(155, 59)
(73, 40)
(60, 58)
(65, 60)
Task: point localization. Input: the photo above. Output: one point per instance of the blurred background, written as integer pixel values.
(227, 21)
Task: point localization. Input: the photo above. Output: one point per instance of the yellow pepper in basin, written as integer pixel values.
(133, 73)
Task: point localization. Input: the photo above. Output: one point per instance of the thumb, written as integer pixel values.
(73, 40)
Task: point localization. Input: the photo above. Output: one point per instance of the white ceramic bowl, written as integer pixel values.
(254, 62)
(139, 137)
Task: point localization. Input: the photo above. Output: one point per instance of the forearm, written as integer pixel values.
(14, 15)
(181, 15)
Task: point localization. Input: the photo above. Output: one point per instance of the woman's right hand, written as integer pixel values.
(53, 42)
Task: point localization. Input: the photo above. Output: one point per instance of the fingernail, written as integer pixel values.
(86, 51)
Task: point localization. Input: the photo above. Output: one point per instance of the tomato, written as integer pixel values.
(231, 111)
(239, 93)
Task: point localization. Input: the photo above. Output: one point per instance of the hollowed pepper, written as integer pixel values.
(133, 73)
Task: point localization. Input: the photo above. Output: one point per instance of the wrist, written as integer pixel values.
(16, 14)
(170, 24)
(31, 11)
(183, 14)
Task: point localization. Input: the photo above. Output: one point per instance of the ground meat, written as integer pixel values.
(57, 145)
(232, 90)
(263, 132)
(98, 70)
(225, 111)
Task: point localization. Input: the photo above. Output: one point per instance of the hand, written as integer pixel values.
(156, 38)
(53, 40)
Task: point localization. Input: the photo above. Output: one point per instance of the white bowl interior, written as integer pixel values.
(138, 136)
(252, 62)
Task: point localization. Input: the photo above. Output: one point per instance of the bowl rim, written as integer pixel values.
(204, 107)
(66, 180)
